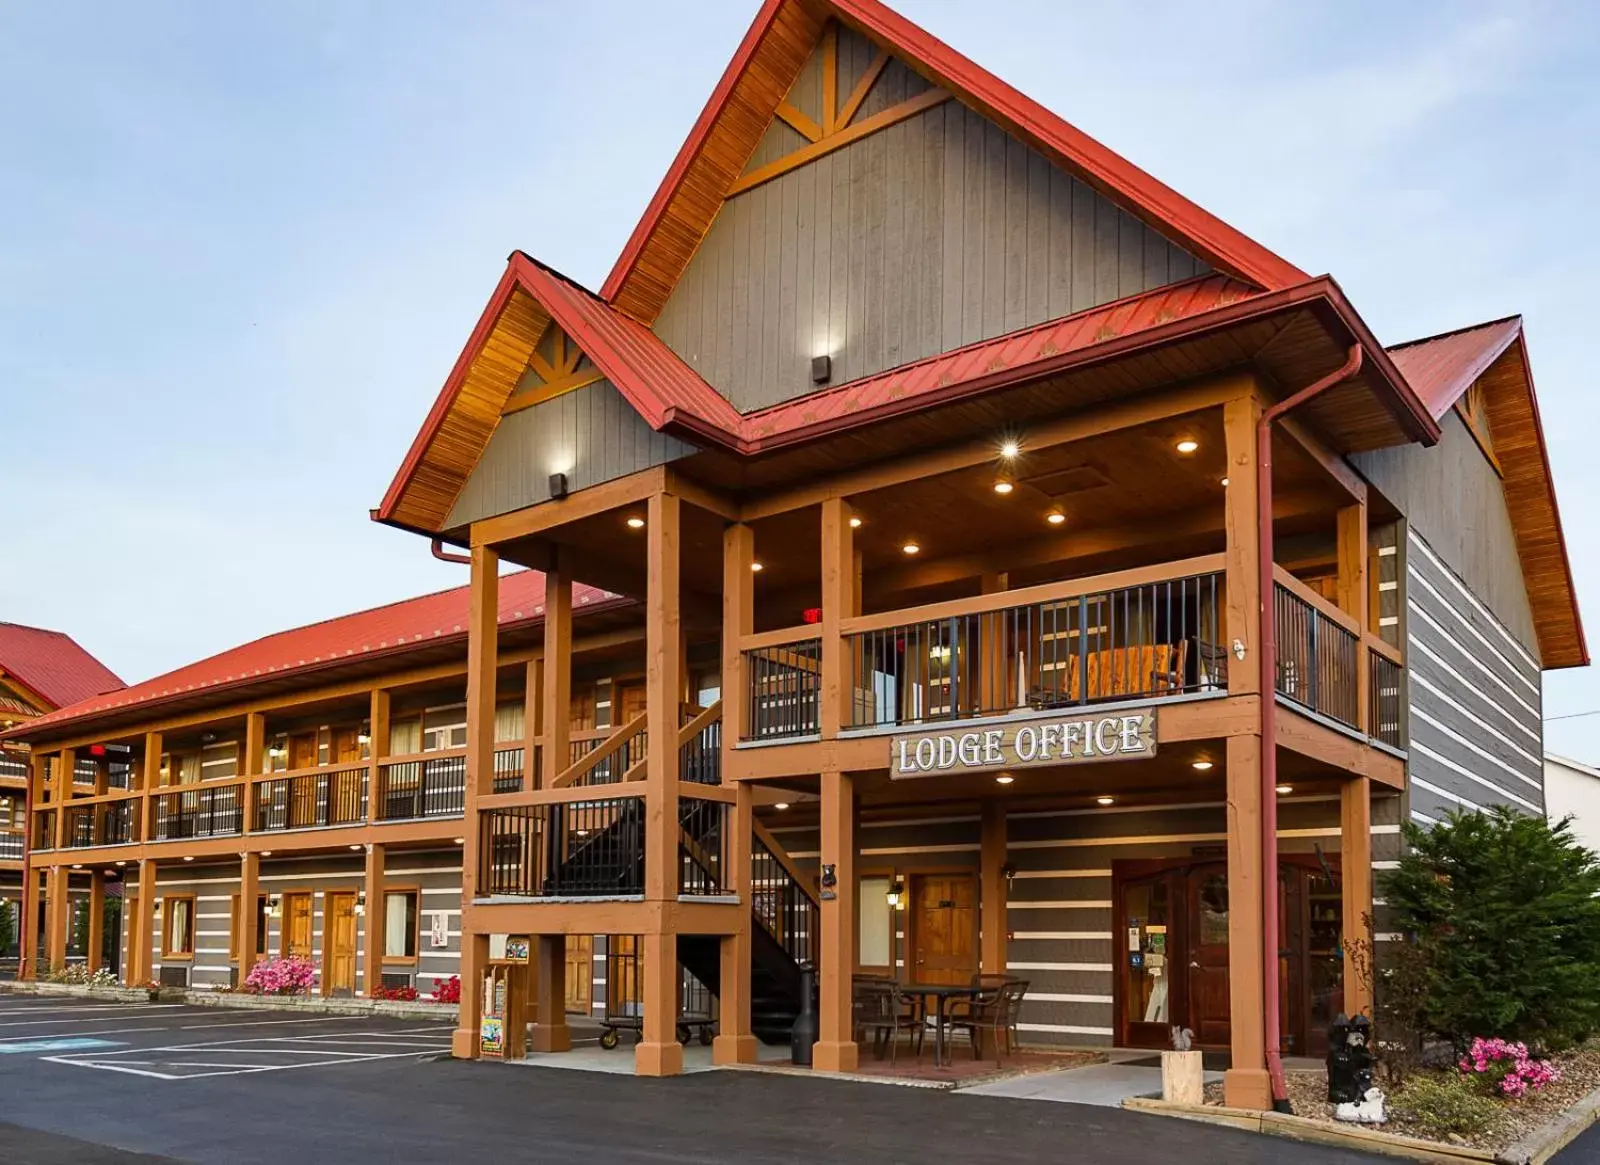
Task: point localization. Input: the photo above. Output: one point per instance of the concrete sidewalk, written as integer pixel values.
(1105, 1085)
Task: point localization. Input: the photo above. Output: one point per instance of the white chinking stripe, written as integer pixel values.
(1066, 997)
(1064, 1029)
(1424, 750)
(1474, 602)
(1467, 744)
(1096, 968)
(1444, 793)
(1422, 613)
(1053, 904)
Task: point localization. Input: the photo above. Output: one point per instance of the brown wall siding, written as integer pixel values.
(1453, 498)
(939, 231)
(593, 435)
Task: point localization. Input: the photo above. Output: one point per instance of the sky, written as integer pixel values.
(242, 245)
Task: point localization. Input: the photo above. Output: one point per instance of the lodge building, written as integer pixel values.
(931, 507)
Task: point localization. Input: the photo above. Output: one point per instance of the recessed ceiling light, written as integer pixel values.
(355, 847)
(1010, 449)
(911, 548)
(1285, 790)
(77, 866)
(1055, 517)
(636, 523)
(122, 863)
(266, 853)
(1224, 481)
(855, 523)
(1003, 486)
(1105, 800)
(460, 840)
(1202, 765)
(188, 857)
(756, 566)
(1004, 779)
(111, 873)
(1187, 445)
(781, 805)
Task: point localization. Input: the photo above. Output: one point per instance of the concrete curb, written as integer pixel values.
(1301, 1128)
(1549, 1139)
(315, 1005)
(84, 991)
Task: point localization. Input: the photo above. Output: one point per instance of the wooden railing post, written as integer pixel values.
(557, 702)
(377, 749)
(1352, 596)
(738, 620)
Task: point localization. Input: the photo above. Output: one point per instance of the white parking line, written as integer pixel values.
(150, 1061)
(82, 1017)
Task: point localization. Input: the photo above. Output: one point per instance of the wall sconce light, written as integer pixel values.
(1238, 649)
(897, 894)
(821, 369)
(274, 906)
(1010, 872)
(361, 903)
(558, 485)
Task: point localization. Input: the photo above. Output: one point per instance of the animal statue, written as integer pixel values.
(1182, 1039)
(1369, 1111)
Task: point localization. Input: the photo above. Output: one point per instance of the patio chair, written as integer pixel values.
(882, 1008)
(993, 1009)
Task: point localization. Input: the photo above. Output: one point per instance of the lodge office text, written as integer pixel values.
(1054, 742)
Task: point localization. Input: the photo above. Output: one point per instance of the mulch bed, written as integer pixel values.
(1580, 1075)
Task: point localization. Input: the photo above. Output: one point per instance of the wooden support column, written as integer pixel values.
(97, 920)
(1351, 595)
(1243, 579)
(838, 604)
(532, 720)
(550, 1031)
(557, 702)
(482, 657)
(1355, 880)
(659, 1053)
(1245, 1084)
(65, 760)
(836, 1047)
(57, 914)
(249, 891)
(28, 942)
(377, 750)
(994, 925)
(142, 959)
(734, 1043)
(150, 779)
(738, 620)
(994, 670)
(663, 685)
(375, 921)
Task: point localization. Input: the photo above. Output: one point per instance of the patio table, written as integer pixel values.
(940, 992)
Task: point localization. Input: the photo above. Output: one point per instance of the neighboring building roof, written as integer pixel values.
(1441, 369)
(393, 628)
(765, 66)
(1575, 765)
(52, 666)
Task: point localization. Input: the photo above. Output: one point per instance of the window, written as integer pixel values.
(261, 926)
(875, 920)
(177, 926)
(444, 727)
(400, 924)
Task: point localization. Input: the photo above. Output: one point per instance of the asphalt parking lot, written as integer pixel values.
(107, 1084)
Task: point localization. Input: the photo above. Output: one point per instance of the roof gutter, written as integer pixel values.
(444, 555)
(1269, 720)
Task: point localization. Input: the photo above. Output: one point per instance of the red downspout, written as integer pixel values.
(444, 555)
(1269, 723)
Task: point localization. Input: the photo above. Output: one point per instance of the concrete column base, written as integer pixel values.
(734, 1050)
(1247, 1088)
(828, 1056)
(464, 1044)
(550, 1037)
(658, 1059)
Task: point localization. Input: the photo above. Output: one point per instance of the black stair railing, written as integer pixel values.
(702, 846)
(781, 904)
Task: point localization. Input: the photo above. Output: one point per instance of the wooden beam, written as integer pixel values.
(663, 685)
(738, 620)
(550, 1032)
(1242, 622)
(557, 696)
(482, 675)
(1332, 463)
(992, 894)
(1245, 1083)
(838, 595)
(535, 394)
(799, 122)
(377, 748)
(376, 921)
(1355, 882)
(700, 497)
(1093, 422)
(838, 139)
(659, 1053)
(249, 891)
(735, 1043)
(584, 503)
(863, 86)
(830, 78)
(143, 959)
(97, 920)
(835, 1049)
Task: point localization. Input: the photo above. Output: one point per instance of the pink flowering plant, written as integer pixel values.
(1506, 1068)
(294, 975)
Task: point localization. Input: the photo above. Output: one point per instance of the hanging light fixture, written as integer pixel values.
(897, 894)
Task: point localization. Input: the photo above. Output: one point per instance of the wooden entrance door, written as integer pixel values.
(944, 928)
(1208, 954)
(297, 924)
(580, 972)
(339, 943)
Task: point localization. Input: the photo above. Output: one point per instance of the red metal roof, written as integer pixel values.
(1119, 179)
(394, 628)
(1441, 368)
(51, 665)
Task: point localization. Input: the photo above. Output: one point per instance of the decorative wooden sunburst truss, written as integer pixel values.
(555, 361)
(838, 126)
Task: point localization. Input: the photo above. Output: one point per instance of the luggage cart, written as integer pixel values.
(625, 1008)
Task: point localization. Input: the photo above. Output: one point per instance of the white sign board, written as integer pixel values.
(1023, 744)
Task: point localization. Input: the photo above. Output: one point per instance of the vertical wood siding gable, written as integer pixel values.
(939, 231)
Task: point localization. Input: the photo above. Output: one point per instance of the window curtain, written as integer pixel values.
(398, 926)
(508, 724)
(405, 737)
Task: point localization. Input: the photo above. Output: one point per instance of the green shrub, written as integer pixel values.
(1504, 910)
(1446, 1103)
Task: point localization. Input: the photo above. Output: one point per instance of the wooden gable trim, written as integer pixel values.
(557, 376)
(1473, 411)
(1518, 437)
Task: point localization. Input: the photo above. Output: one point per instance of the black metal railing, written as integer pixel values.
(702, 846)
(431, 787)
(119, 823)
(508, 770)
(11, 846)
(1384, 703)
(785, 690)
(572, 849)
(1158, 639)
(312, 800)
(700, 760)
(1316, 658)
(197, 812)
(42, 824)
(80, 826)
(615, 766)
(782, 905)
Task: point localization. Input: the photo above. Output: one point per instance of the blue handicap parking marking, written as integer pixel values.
(71, 1044)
